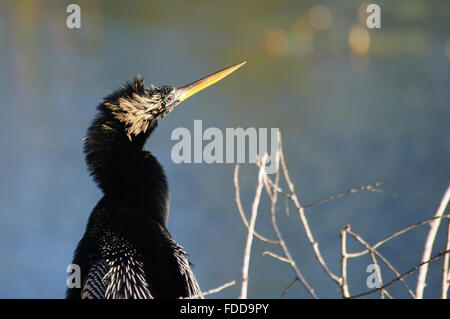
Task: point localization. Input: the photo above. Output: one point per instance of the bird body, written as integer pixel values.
(127, 251)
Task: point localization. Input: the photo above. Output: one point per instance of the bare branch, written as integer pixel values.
(301, 213)
(271, 254)
(241, 210)
(344, 283)
(387, 293)
(370, 188)
(434, 226)
(378, 272)
(375, 252)
(251, 229)
(287, 254)
(273, 189)
(400, 232)
(288, 287)
(445, 266)
(401, 276)
(212, 291)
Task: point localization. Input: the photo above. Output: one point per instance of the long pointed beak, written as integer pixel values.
(190, 89)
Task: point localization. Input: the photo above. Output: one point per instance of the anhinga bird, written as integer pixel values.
(126, 251)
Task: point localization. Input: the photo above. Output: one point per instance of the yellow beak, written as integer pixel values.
(190, 89)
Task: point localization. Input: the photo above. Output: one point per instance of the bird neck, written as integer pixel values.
(126, 173)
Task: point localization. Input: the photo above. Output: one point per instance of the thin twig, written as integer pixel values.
(212, 291)
(381, 242)
(241, 210)
(387, 294)
(401, 276)
(378, 274)
(272, 254)
(370, 188)
(301, 213)
(287, 254)
(375, 252)
(291, 261)
(445, 266)
(344, 283)
(288, 287)
(434, 226)
(400, 232)
(251, 229)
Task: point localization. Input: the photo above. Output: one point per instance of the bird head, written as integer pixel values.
(140, 109)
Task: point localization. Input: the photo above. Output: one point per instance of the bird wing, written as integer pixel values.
(119, 274)
(185, 268)
(93, 287)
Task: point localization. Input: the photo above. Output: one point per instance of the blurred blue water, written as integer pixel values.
(343, 126)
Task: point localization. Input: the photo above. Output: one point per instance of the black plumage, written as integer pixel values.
(127, 251)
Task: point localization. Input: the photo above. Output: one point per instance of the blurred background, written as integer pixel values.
(355, 106)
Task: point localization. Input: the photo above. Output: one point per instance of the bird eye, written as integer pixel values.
(169, 99)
